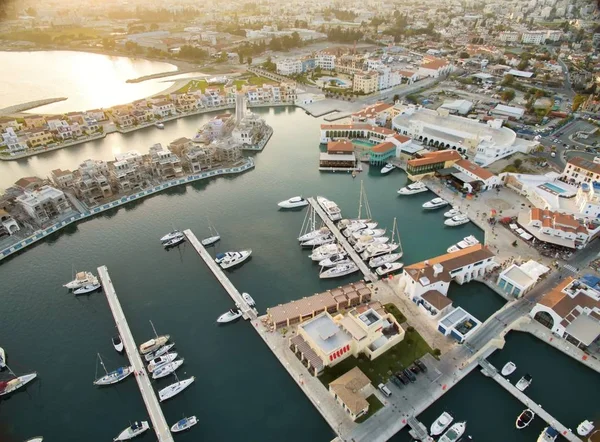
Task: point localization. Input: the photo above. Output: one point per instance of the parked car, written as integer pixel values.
(384, 390)
(402, 378)
(396, 380)
(410, 375)
(414, 369)
(422, 366)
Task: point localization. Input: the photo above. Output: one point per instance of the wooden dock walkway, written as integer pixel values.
(491, 371)
(369, 275)
(163, 432)
(248, 312)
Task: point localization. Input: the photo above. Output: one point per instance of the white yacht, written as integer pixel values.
(7, 387)
(154, 344)
(387, 168)
(339, 270)
(524, 419)
(548, 434)
(467, 241)
(230, 259)
(171, 235)
(338, 258)
(174, 241)
(159, 352)
(375, 250)
(293, 203)
(161, 360)
(319, 241)
(2, 359)
(89, 288)
(249, 300)
(117, 344)
(209, 241)
(441, 423)
(411, 189)
(366, 241)
(384, 259)
(386, 269)
(325, 251)
(231, 315)
(355, 227)
(114, 376)
(454, 433)
(508, 368)
(184, 424)
(585, 428)
(375, 233)
(435, 203)
(35, 439)
(524, 382)
(173, 389)
(347, 222)
(159, 125)
(134, 430)
(81, 279)
(331, 209)
(166, 369)
(452, 212)
(314, 234)
(457, 220)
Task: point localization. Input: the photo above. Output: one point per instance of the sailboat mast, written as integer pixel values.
(102, 363)
(360, 199)
(153, 329)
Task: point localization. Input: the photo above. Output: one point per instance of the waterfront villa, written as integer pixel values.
(8, 226)
(163, 109)
(164, 164)
(44, 204)
(428, 163)
(350, 391)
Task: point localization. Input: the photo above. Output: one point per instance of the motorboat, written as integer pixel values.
(467, 241)
(2, 359)
(159, 125)
(435, 203)
(338, 258)
(7, 387)
(159, 352)
(331, 209)
(414, 188)
(229, 316)
(375, 233)
(347, 222)
(161, 360)
(249, 300)
(454, 433)
(293, 203)
(184, 424)
(319, 241)
(387, 168)
(524, 382)
(451, 213)
(171, 235)
(230, 259)
(175, 241)
(166, 369)
(114, 376)
(173, 389)
(81, 279)
(154, 344)
(457, 220)
(89, 288)
(384, 259)
(548, 434)
(339, 270)
(524, 419)
(314, 234)
(132, 431)
(210, 240)
(35, 439)
(366, 241)
(508, 368)
(355, 227)
(585, 428)
(375, 250)
(386, 269)
(117, 344)
(325, 251)
(441, 423)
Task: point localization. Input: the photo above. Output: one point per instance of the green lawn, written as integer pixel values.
(391, 308)
(400, 356)
(374, 406)
(197, 85)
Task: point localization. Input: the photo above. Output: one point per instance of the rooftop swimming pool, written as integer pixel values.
(553, 188)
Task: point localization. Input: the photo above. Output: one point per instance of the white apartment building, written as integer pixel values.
(325, 61)
(580, 170)
(164, 163)
(12, 142)
(163, 109)
(534, 37)
(509, 36)
(126, 172)
(435, 68)
(554, 228)
(44, 204)
(365, 82)
(289, 67)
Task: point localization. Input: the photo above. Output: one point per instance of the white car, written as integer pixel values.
(384, 390)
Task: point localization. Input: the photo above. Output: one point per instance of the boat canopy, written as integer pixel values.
(220, 255)
(551, 431)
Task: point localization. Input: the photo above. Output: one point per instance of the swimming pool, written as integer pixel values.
(362, 143)
(553, 188)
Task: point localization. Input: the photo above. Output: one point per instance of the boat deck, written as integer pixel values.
(163, 432)
(247, 311)
(362, 266)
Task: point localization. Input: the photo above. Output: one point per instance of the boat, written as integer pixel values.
(156, 353)
(384, 259)
(249, 300)
(452, 212)
(467, 241)
(314, 234)
(414, 188)
(214, 236)
(81, 279)
(387, 168)
(293, 203)
(338, 258)
(318, 241)
(87, 289)
(508, 368)
(366, 241)
(173, 389)
(171, 235)
(114, 376)
(454, 433)
(457, 220)
(153, 344)
(441, 423)
(435, 203)
(7, 387)
(347, 222)
(159, 125)
(2, 359)
(325, 251)
(355, 227)
(132, 431)
(389, 268)
(331, 209)
(161, 360)
(174, 241)
(375, 250)
(524, 382)
(166, 369)
(585, 428)
(35, 439)
(117, 344)
(230, 259)
(524, 419)
(184, 424)
(548, 434)
(231, 315)
(339, 270)
(375, 233)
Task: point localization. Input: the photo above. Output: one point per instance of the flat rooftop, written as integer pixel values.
(325, 333)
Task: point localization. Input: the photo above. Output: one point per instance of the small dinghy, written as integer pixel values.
(508, 369)
(117, 344)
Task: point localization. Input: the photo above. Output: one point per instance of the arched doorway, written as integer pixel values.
(545, 319)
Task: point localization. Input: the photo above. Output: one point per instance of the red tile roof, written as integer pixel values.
(372, 110)
(435, 64)
(475, 169)
(340, 146)
(383, 147)
(435, 157)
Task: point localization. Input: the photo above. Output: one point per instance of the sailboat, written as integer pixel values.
(214, 235)
(174, 389)
(362, 200)
(396, 235)
(114, 376)
(153, 344)
(2, 359)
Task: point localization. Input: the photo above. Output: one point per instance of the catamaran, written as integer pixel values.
(176, 388)
(132, 431)
(441, 423)
(230, 259)
(161, 351)
(154, 344)
(166, 369)
(7, 387)
(184, 424)
(325, 251)
(293, 203)
(161, 360)
(214, 236)
(414, 188)
(114, 376)
(331, 209)
(81, 279)
(384, 259)
(339, 270)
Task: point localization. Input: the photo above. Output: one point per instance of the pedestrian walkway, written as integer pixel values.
(570, 268)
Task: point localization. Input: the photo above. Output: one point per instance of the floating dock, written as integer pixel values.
(369, 276)
(248, 312)
(163, 432)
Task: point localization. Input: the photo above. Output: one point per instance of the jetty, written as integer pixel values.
(22, 107)
(247, 311)
(369, 276)
(418, 430)
(163, 432)
(489, 370)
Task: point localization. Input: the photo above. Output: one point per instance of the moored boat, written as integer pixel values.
(154, 344)
(339, 270)
(325, 251)
(174, 241)
(524, 382)
(347, 222)
(293, 203)
(338, 258)
(508, 368)
(174, 389)
(387, 168)
(585, 428)
(414, 188)
(230, 259)
(158, 352)
(132, 431)
(184, 424)
(159, 125)
(81, 279)
(524, 419)
(166, 369)
(384, 259)
(117, 343)
(114, 376)
(314, 234)
(7, 387)
(2, 359)
(331, 209)
(435, 203)
(375, 233)
(87, 289)
(366, 241)
(169, 236)
(457, 220)
(391, 267)
(375, 250)
(249, 300)
(441, 423)
(548, 434)
(229, 316)
(467, 241)
(318, 241)
(209, 241)
(161, 360)
(454, 433)
(35, 439)
(452, 212)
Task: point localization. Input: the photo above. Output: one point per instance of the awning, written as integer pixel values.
(463, 177)
(526, 236)
(513, 226)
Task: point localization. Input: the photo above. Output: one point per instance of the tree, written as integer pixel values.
(249, 61)
(240, 57)
(508, 95)
(517, 163)
(464, 55)
(578, 101)
(508, 80)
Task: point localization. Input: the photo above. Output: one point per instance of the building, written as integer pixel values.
(588, 199)
(571, 310)
(92, 184)
(33, 121)
(325, 61)
(428, 163)
(12, 141)
(38, 136)
(29, 183)
(534, 37)
(339, 156)
(373, 134)
(510, 112)
(435, 67)
(509, 36)
(365, 82)
(554, 228)
(62, 178)
(579, 170)
(164, 164)
(458, 324)
(472, 170)
(163, 109)
(97, 114)
(376, 115)
(8, 226)
(127, 172)
(289, 67)
(6, 122)
(517, 280)
(350, 391)
(434, 303)
(44, 204)
(461, 107)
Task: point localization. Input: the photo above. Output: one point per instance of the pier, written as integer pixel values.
(418, 430)
(248, 312)
(491, 371)
(163, 433)
(369, 275)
